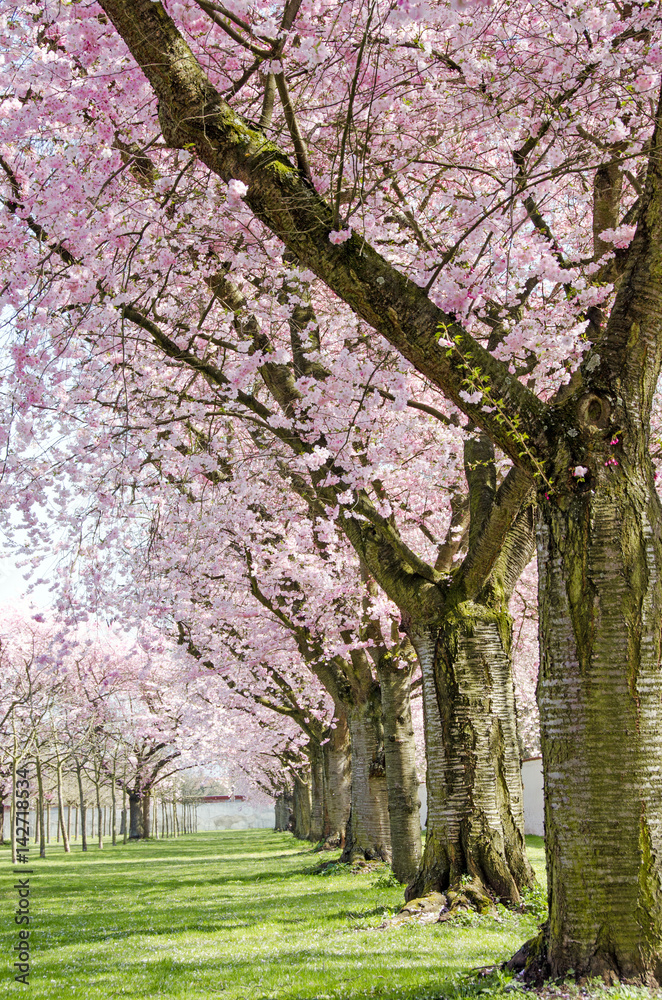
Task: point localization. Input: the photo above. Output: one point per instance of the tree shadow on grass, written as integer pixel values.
(344, 976)
(176, 927)
(213, 913)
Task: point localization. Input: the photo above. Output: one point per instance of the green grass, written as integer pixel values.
(238, 916)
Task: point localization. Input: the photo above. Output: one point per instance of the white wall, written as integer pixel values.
(235, 816)
(534, 802)
(423, 803)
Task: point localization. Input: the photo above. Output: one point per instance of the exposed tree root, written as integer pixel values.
(531, 967)
(530, 963)
(476, 859)
(331, 843)
(439, 907)
(358, 867)
(354, 852)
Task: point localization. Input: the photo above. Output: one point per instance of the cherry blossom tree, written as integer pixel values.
(30, 683)
(231, 613)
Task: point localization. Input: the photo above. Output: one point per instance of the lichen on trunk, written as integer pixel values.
(135, 816)
(370, 835)
(475, 815)
(600, 560)
(475, 828)
(400, 766)
(302, 804)
(317, 790)
(284, 819)
(338, 782)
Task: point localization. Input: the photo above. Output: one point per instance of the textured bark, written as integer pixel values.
(135, 817)
(40, 809)
(113, 794)
(284, 819)
(60, 810)
(12, 818)
(600, 559)
(475, 818)
(430, 877)
(147, 813)
(370, 835)
(400, 766)
(302, 806)
(600, 594)
(338, 780)
(83, 809)
(97, 788)
(317, 791)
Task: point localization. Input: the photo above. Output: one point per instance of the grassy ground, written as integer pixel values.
(238, 916)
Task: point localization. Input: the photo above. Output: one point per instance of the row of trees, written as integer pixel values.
(106, 731)
(315, 317)
(63, 823)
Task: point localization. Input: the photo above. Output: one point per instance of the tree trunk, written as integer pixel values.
(135, 817)
(125, 826)
(60, 809)
(317, 790)
(147, 804)
(283, 812)
(12, 815)
(400, 761)
(338, 781)
(40, 807)
(113, 806)
(475, 816)
(600, 559)
(97, 787)
(302, 805)
(370, 835)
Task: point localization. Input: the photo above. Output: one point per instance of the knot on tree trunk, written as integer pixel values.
(593, 412)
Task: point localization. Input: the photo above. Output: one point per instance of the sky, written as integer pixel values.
(13, 586)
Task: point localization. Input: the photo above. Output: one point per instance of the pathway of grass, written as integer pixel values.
(236, 916)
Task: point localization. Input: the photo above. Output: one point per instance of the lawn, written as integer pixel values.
(239, 916)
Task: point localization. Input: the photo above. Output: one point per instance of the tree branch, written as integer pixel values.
(193, 112)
